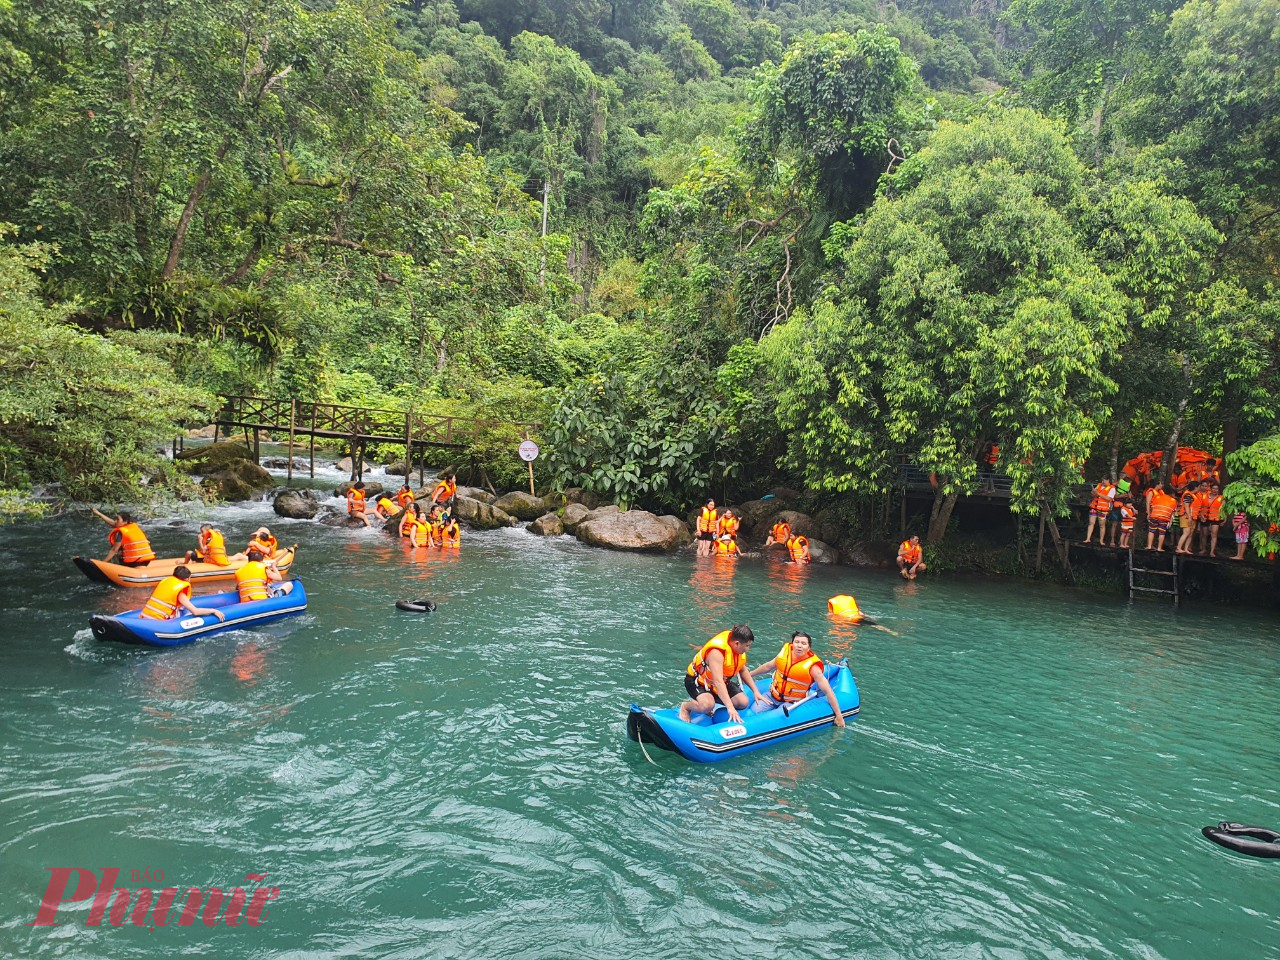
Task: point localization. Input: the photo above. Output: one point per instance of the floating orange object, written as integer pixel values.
(844, 605)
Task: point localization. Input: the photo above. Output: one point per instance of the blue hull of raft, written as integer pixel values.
(290, 599)
(708, 739)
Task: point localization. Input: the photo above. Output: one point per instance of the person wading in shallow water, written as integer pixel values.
(714, 674)
(708, 524)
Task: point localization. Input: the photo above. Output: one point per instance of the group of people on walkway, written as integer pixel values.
(1189, 515)
(719, 670)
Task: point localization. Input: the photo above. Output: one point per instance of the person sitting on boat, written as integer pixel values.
(211, 547)
(404, 496)
(715, 672)
(265, 542)
(911, 558)
(386, 508)
(173, 592)
(798, 549)
(779, 535)
(127, 540)
(446, 489)
(356, 504)
(796, 669)
(253, 577)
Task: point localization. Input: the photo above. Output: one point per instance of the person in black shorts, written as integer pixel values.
(715, 672)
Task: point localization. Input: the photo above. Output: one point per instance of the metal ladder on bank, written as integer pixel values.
(1153, 571)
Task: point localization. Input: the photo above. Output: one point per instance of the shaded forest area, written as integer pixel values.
(712, 245)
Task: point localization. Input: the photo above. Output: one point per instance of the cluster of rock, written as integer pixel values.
(226, 470)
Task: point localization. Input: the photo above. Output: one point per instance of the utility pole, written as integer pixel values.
(546, 197)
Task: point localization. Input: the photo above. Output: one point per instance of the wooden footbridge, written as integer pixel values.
(357, 426)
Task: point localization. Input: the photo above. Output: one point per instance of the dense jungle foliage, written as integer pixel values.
(785, 242)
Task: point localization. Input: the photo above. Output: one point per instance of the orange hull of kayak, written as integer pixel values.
(148, 575)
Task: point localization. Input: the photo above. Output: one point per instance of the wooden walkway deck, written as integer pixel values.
(358, 426)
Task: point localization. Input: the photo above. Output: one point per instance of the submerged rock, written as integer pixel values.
(548, 525)
(296, 505)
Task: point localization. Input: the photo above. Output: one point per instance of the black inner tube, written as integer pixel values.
(417, 606)
(1255, 841)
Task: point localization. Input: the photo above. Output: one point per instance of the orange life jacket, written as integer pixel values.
(136, 547)
(163, 602)
(213, 549)
(1162, 506)
(792, 678)
(251, 581)
(1187, 505)
(799, 548)
(707, 522)
(733, 664)
(729, 525)
(993, 455)
(1200, 507)
(1127, 514)
(264, 545)
(355, 502)
(726, 548)
(444, 490)
(452, 534)
(910, 554)
(781, 532)
(1102, 494)
(1214, 509)
(410, 523)
(404, 497)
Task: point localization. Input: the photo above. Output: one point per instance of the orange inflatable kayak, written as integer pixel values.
(149, 574)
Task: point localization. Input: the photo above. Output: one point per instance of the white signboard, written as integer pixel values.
(529, 451)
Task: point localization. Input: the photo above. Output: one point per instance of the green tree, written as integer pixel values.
(968, 311)
(1256, 490)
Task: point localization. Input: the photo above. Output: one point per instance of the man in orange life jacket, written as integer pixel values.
(173, 592)
(253, 577)
(127, 540)
(796, 669)
(910, 557)
(714, 674)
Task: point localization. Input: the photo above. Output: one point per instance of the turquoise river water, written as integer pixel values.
(1027, 779)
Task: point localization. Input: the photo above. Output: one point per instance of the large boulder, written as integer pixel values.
(521, 505)
(395, 469)
(574, 514)
(228, 470)
(801, 525)
(820, 552)
(584, 497)
(475, 493)
(481, 516)
(608, 510)
(202, 460)
(346, 463)
(547, 525)
(684, 535)
(204, 433)
(296, 505)
(632, 530)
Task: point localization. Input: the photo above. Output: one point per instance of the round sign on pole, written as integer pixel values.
(529, 451)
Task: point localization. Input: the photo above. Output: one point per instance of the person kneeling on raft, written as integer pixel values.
(796, 669)
(173, 592)
(715, 671)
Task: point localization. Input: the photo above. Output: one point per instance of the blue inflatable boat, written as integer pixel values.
(707, 739)
(288, 598)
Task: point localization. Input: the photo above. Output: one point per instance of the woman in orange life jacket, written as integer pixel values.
(708, 523)
(211, 547)
(728, 524)
(1212, 522)
(127, 540)
(727, 546)
(780, 534)
(264, 541)
(452, 533)
(385, 508)
(714, 674)
(414, 527)
(253, 577)
(446, 489)
(796, 668)
(173, 592)
(355, 503)
(910, 557)
(1160, 507)
(404, 496)
(1187, 506)
(798, 549)
(1100, 509)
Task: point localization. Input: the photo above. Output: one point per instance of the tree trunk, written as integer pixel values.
(184, 221)
(1114, 472)
(1175, 434)
(940, 516)
(1230, 443)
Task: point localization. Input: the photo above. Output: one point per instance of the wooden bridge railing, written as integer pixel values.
(358, 426)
